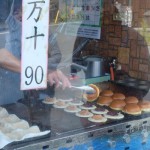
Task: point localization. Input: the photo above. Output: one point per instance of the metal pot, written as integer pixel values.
(93, 66)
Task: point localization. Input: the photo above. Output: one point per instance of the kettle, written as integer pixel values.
(93, 66)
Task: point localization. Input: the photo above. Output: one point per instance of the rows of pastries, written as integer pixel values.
(76, 106)
(127, 104)
(101, 105)
(120, 102)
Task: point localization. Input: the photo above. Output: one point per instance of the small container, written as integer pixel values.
(142, 82)
(143, 87)
(131, 79)
(120, 81)
(131, 84)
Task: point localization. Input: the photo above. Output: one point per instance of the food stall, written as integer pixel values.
(107, 63)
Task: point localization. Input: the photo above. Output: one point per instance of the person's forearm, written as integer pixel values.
(8, 61)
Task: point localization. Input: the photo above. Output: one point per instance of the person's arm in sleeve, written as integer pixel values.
(54, 75)
(54, 53)
(8, 61)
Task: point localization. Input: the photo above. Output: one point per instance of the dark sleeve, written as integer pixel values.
(54, 52)
(12, 23)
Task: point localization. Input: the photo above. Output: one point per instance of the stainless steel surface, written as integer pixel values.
(133, 87)
(74, 138)
(83, 87)
(67, 129)
(93, 66)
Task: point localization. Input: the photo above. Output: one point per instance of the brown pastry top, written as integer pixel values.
(49, 99)
(144, 105)
(132, 109)
(117, 104)
(84, 112)
(119, 96)
(71, 107)
(97, 117)
(104, 100)
(60, 103)
(131, 99)
(107, 93)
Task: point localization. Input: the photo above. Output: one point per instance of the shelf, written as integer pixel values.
(98, 79)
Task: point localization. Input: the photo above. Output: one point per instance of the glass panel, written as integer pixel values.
(104, 43)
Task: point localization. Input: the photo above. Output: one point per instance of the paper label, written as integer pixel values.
(35, 28)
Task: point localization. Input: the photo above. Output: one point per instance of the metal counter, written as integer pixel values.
(67, 129)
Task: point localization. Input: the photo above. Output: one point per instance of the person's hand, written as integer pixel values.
(56, 76)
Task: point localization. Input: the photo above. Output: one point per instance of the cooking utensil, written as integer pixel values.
(93, 66)
(84, 87)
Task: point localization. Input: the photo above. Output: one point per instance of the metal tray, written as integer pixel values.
(64, 125)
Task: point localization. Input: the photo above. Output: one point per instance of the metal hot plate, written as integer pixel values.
(60, 122)
(121, 86)
(63, 124)
(133, 83)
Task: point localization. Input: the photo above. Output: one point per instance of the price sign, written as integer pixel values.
(35, 27)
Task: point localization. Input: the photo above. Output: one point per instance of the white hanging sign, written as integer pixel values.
(35, 27)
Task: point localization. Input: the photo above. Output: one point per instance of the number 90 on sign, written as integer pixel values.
(34, 75)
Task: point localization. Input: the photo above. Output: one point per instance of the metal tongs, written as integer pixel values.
(84, 87)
